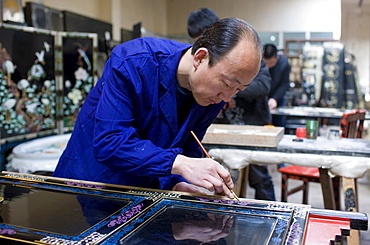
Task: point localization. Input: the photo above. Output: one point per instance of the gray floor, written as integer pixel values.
(316, 199)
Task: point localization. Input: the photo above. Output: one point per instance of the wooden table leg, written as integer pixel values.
(350, 198)
(350, 204)
(350, 194)
(327, 189)
(354, 238)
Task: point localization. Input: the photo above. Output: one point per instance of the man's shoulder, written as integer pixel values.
(283, 61)
(283, 58)
(151, 45)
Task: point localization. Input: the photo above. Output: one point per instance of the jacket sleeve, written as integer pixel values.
(259, 87)
(118, 142)
(283, 83)
(191, 147)
(203, 118)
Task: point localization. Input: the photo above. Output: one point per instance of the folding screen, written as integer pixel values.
(27, 78)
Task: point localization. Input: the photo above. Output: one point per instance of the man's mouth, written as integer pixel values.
(211, 101)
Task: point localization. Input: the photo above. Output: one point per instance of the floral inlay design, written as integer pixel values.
(78, 76)
(123, 218)
(28, 97)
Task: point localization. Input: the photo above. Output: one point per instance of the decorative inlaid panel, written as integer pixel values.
(27, 82)
(79, 70)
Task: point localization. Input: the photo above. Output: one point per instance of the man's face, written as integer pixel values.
(233, 73)
(271, 62)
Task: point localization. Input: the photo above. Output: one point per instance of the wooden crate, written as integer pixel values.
(244, 135)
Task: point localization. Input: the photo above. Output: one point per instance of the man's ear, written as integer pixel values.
(200, 56)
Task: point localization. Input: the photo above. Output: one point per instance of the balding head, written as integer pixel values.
(224, 35)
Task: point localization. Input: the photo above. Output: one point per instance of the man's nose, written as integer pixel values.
(227, 95)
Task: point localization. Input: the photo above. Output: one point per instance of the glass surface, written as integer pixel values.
(53, 211)
(180, 225)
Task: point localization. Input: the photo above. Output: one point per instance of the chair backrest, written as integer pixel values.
(352, 124)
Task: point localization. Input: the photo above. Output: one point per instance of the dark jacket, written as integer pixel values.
(280, 79)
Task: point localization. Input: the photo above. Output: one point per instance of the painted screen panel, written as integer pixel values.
(78, 75)
(27, 82)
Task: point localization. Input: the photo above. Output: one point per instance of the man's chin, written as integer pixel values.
(203, 103)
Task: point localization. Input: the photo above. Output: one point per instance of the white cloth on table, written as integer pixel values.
(345, 166)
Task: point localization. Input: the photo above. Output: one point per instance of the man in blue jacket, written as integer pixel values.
(249, 106)
(134, 127)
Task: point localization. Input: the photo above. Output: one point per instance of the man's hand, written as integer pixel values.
(272, 103)
(204, 172)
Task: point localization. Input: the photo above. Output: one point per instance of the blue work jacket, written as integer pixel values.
(127, 131)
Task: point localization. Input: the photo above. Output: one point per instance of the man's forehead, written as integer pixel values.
(241, 81)
(241, 64)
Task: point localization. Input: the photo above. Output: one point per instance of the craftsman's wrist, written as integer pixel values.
(178, 164)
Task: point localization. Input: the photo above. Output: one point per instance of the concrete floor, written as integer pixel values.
(316, 199)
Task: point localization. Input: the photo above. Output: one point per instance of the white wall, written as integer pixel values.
(264, 15)
(91, 8)
(356, 36)
(121, 13)
(169, 17)
(152, 14)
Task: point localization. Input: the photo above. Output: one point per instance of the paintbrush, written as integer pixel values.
(206, 153)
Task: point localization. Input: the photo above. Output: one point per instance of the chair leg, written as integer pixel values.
(305, 192)
(284, 187)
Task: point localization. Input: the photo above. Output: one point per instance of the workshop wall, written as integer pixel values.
(264, 15)
(349, 18)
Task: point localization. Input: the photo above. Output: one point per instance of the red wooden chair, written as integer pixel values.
(351, 125)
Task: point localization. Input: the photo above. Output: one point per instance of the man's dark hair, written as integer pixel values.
(224, 35)
(269, 51)
(199, 20)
